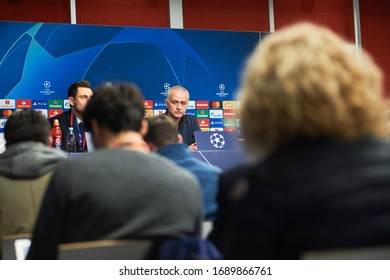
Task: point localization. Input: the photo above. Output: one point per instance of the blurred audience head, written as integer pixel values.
(162, 131)
(118, 108)
(303, 82)
(27, 125)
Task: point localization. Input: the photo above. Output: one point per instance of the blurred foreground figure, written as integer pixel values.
(313, 113)
(121, 190)
(25, 170)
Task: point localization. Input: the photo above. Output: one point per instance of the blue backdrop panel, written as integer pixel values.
(38, 61)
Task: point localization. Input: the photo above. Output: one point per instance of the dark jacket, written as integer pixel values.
(311, 195)
(65, 121)
(187, 125)
(116, 194)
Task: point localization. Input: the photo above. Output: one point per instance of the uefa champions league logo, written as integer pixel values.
(166, 86)
(222, 92)
(47, 91)
(108, 84)
(217, 140)
(46, 84)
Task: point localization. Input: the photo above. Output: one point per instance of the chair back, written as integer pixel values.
(15, 247)
(207, 226)
(105, 250)
(359, 253)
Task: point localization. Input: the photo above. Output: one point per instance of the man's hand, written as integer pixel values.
(193, 147)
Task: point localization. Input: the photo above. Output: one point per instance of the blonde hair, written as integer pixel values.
(303, 82)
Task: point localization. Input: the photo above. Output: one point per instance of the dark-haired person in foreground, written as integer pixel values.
(316, 115)
(25, 170)
(79, 94)
(119, 191)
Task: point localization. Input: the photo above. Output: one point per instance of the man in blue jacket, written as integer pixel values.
(177, 102)
(163, 138)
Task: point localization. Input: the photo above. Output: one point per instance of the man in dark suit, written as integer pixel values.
(79, 93)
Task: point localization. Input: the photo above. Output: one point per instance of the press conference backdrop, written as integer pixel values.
(38, 62)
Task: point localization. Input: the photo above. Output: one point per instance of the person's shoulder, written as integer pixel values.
(48, 152)
(190, 117)
(160, 161)
(205, 167)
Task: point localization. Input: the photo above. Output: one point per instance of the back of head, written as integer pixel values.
(72, 90)
(302, 81)
(27, 125)
(162, 131)
(118, 108)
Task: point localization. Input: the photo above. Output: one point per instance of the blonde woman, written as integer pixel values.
(313, 114)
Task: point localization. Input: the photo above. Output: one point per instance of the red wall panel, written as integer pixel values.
(337, 15)
(7, 10)
(151, 13)
(375, 17)
(249, 15)
(244, 15)
(57, 11)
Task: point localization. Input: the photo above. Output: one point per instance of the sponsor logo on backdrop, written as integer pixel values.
(159, 104)
(7, 103)
(229, 104)
(216, 114)
(202, 113)
(204, 123)
(2, 123)
(222, 92)
(6, 113)
(201, 104)
(230, 129)
(47, 90)
(191, 105)
(238, 122)
(39, 104)
(148, 104)
(23, 103)
(148, 113)
(191, 112)
(216, 128)
(229, 123)
(66, 104)
(54, 112)
(215, 105)
(229, 114)
(158, 112)
(42, 111)
(56, 103)
(166, 86)
(216, 123)
(238, 104)
(205, 129)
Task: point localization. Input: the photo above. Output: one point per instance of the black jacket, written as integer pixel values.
(310, 195)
